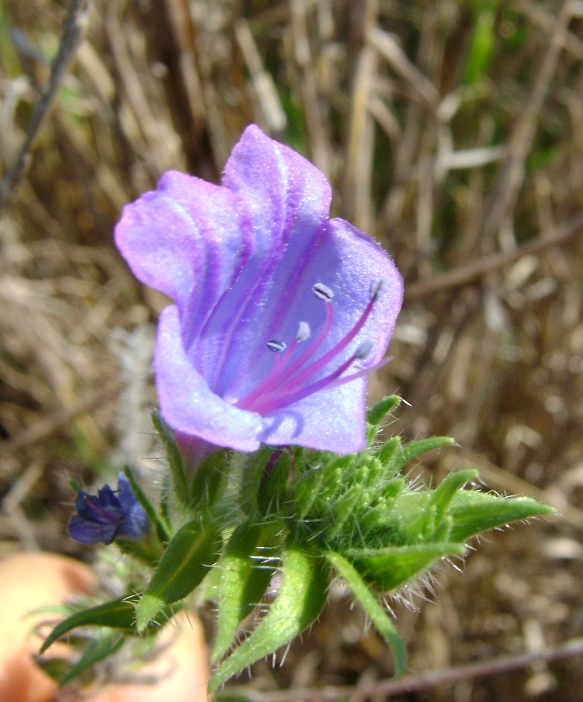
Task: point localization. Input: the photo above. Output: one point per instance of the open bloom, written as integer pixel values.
(108, 515)
(280, 312)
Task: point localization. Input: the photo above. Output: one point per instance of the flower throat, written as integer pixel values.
(292, 379)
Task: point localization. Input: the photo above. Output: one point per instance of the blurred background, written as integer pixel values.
(452, 131)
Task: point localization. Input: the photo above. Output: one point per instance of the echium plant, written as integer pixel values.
(279, 482)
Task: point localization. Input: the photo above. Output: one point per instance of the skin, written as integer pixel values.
(32, 580)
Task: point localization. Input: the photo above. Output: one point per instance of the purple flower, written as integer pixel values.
(280, 312)
(107, 515)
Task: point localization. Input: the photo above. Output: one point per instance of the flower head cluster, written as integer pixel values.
(108, 515)
(280, 312)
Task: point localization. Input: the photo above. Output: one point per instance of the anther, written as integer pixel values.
(277, 346)
(323, 292)
(376, 288)
(303, 333)
(364, 349)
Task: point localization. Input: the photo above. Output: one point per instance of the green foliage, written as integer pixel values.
(185, 563)
(308, 516)
(301, 596)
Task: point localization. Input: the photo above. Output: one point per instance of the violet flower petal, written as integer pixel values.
(89, 532)
(186, 401)
(240, 261)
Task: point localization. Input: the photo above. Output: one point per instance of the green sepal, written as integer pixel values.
(436, 523)
(117, 614)
(187, 559)
(210, 480)
(243, 580)
(163, 529)
(372, 607)
(302, 595)
(274, 485)
(174, 456)
(473, 512)
(388, 568)
(402, 455)
(379, 411)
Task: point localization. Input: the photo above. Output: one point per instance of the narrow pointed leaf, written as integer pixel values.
(187, 559)
(387, 568)
(119, 614)
(473, 512)
(372, 607)
(415, 449)
(300, 600)
(243, 581)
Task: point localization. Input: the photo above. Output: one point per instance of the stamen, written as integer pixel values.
(303, 333)
(364, 349)
(290, 381)
(277, 346)
(323, 292)
(323, 361)
(376, 287)
(279, 400)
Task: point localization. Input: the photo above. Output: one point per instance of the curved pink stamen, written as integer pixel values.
(274, 379)
(286, 382)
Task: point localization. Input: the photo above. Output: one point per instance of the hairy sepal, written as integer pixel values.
(302, 594)
(246, 572)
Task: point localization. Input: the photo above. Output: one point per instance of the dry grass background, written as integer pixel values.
(452, 130)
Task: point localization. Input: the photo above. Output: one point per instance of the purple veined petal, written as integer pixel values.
(284, 201)
(186, 401)
(331, 420)
(185, 240)
(241, 261)
(91, 508)
(90, 532)
(347, 261)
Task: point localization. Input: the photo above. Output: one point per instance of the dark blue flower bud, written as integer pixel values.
(108, 515)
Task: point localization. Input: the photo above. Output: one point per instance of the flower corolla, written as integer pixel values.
(108, 515)
(280, 312)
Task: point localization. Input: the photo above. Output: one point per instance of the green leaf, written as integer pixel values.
(187, 559)
(98, 650)
(300, 600)
(372, 607)
(379, 411)
(435, 517)
(243, 580)
(118, 614)
(413, 450)
(473, 512)
(387, 568)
